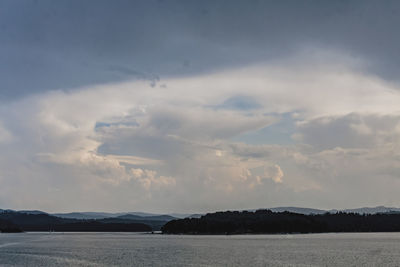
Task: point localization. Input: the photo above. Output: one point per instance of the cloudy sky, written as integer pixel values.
(193, 106)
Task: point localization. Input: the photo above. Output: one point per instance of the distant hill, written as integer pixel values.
(139, 213)
(84, 215)
(181, 215)
(22, 219)
(309, 211)
(155, 225)
(375, 210)
(7, 210)
(103, 215)
(365, 210)
(156, 219)
(305, 211)
(91, 226)
(194, 216)
(32, 211)
(35, 223)
(155, 222)
(164, 218)
(46, 222)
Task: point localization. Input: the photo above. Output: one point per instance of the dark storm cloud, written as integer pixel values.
(48, 45)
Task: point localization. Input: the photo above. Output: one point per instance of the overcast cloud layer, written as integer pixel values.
(193, 106)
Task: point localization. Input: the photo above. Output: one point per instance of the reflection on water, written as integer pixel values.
(132, 249)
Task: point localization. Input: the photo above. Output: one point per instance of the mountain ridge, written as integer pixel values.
(165, 217)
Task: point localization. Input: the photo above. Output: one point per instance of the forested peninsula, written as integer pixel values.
(268, 222)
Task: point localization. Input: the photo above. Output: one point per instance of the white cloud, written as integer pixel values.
(354, 130)
(170, 148)
(275, 173)
(149, 179)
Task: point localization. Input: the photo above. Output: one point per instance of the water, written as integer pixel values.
(132, 249)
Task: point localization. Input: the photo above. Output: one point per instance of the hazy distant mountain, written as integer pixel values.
(87, 215)
(155, 222)
(306, 211)
(139, 213)
(24, 211)
(197, 215)
(32, 211)
(103, 215)
(84, 215)
(180, 215)
(300, 210)
(365, 210)
(164, 218)
(375, 210)
(167, 217)
(7, 210)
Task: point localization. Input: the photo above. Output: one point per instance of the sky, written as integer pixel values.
(194, 106)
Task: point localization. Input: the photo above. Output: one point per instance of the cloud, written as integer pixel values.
(71, 44)
(133, 146)
(350, 131)
(132, 160)
(240, 103)
(275, 173)
(5, 135)
(148, 178)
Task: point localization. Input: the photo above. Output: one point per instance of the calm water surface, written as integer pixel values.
(132, 249)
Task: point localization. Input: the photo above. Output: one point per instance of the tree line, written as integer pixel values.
(268, 222)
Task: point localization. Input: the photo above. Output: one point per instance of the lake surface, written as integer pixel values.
(133, 249)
